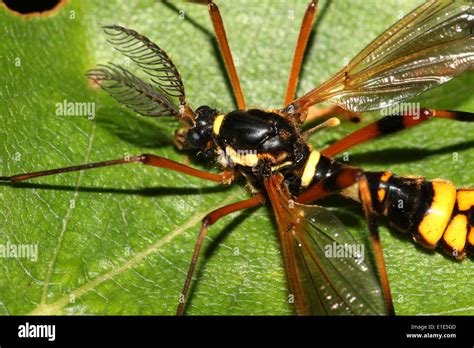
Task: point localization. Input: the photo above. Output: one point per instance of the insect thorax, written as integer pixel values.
(258, 140)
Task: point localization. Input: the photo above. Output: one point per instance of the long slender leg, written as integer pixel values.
(209, 220)
(224, 177)
(305, 30)
(392, 124)
(370, 216)
(303, 37)
(221, 36)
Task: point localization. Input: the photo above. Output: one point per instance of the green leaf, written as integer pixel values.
(119, 240)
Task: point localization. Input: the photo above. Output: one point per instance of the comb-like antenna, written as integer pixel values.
(133, 92)
(152, 59)
(154, 98)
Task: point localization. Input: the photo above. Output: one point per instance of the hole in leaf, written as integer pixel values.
(31, 7)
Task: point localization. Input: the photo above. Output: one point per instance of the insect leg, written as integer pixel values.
(303, 37)
(366, 200)
(221, 36)
(209, 220)
(224, 177)
(313, 112)
(391, 124)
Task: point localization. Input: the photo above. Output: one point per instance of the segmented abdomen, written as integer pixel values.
(434, 212)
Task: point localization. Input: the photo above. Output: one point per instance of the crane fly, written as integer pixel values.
(426, 48)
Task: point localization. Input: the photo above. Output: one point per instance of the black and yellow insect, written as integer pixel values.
(426, 48)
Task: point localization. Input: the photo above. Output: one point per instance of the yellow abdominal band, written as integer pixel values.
(436, 219)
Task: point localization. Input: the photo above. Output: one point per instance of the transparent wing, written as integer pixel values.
(426, 48)
(131, 91)
(148, 56)
(327, 271)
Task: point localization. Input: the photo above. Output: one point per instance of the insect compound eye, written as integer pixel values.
(193, 138)
(198, 137)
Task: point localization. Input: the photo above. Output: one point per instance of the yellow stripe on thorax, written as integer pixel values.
(244, 158)
(436, 219)
(310, 168)
(216, 126)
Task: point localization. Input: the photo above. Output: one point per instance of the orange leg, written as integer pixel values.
(303, 37)
(370, 216)
(221, 36)
(225, 177)
(305, 30)
(209, 220)
(391, 124)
